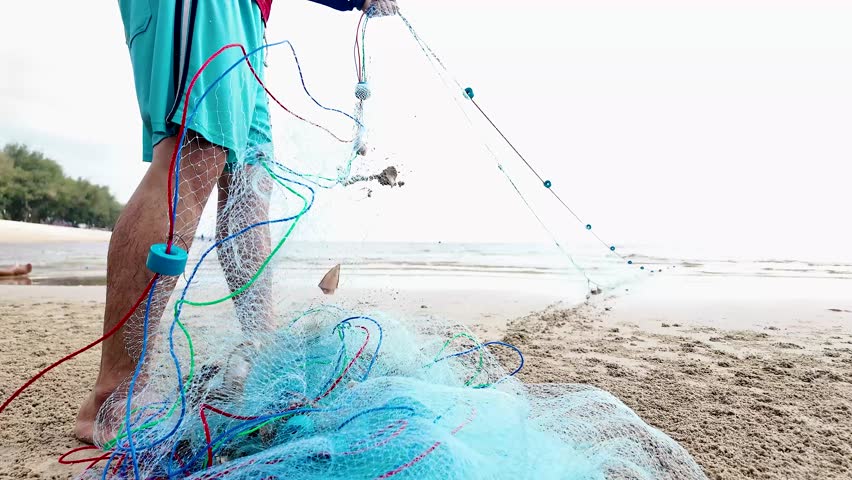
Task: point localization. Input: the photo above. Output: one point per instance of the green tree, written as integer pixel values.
(33, 188)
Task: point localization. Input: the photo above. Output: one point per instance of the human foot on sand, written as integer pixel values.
(84, 426)
(116, 384)
(235, 372)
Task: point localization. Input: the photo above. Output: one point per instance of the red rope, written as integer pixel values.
(204, 423)
(358, 49)
(207, 437)
(64, 359)
(428, 450)
(351, 362)
(180, 134)
(183, 125)
(64, 461)
(118, 464)
(290, 111)
(93, 460)
(205, 406)
(412, 462)
(123, 321)
(402, 426)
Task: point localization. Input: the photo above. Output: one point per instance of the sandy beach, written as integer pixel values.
(751, 373)
(21, 232)
(768, 399)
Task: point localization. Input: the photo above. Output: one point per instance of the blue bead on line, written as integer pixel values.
(168, 264)
(468, 92)
(630, 262)
(612, 248)
(362, 91)
(547, 184)
(588, 226)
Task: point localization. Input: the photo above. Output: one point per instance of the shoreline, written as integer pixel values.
(24, 232)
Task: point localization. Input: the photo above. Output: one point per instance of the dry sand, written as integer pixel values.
(22, 232)
(769, 399)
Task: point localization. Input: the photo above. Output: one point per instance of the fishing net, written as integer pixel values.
(242, 379)
(340, 395)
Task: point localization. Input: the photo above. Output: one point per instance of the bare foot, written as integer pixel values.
(84, 427)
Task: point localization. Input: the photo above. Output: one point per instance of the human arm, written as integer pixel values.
(382, 7)
(343, 5)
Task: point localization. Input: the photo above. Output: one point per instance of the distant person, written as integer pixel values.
(16, 270)
(169, 41)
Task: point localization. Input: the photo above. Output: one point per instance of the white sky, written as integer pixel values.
(710, 126)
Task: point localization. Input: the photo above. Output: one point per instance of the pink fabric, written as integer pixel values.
(265, 8)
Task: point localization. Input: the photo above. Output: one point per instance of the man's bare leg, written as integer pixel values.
(244, 201)
(144, 222)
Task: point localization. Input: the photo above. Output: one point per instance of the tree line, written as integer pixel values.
(33, 188)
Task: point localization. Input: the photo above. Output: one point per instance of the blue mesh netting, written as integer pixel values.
(335, 395)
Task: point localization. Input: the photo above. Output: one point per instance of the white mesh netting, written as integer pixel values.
(240, 380)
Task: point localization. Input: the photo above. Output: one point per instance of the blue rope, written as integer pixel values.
(479, 347)
(305, 87)
(378, 346)
(186, 288)
(336, 364)
(115, 452)
(343, 347)
(371, 410)
(136, 372)
(232, 433)
(172, 353)
(216, 82)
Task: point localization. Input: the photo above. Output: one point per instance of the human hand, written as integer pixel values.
(380, 8)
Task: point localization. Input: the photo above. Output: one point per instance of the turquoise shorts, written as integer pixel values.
(169, 41)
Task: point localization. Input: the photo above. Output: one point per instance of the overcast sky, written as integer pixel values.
(705, 126)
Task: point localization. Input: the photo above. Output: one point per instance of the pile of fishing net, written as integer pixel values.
(339, 395)
(235, 383)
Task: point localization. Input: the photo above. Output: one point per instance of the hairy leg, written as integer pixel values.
(144, 222)
(244, 201)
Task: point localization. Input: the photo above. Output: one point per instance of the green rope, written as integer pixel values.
(263, 266)
(479, 365)
(121, 433)
(364, 51)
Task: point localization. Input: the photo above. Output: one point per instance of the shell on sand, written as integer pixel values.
(330, 281)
